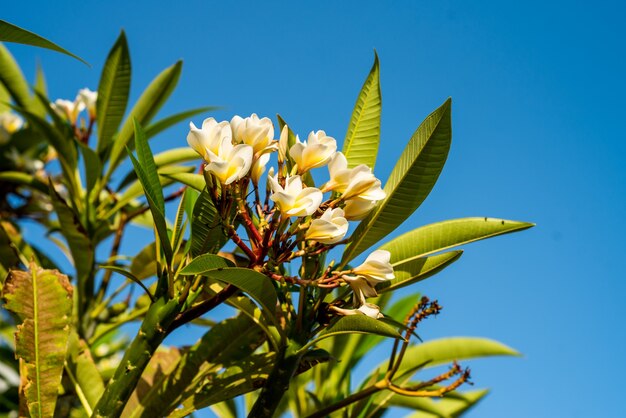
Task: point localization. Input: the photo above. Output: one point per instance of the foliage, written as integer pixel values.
(262, 245)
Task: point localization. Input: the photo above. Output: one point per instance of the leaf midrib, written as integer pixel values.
(36, 332)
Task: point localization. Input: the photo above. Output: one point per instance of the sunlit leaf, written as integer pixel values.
(113, 92)
(148, 104)
(410, 182)
(205, 263)
(12, 33)
(357, 324)
(83, 372)
(12, 78)
(361, 143)
(147, 172)
(447, 234)
(446, 350)
(195, 181)
(42, 300)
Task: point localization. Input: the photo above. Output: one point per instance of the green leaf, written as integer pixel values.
(146, 160)
(12, 78)
(207, 234)
(149, 178)
(41, 88)
(234, 382)
(449, 406)
(195, 181)
(410, 182)
(205, 263)
(42, 299)
(113, 92)
(23, 179)
(231, 340)
(356, 324)
(12, 33)
(93, 166)
(163, 159)
(83, 372)
(169, 121)
(257, 285)
(161, 364)
(418, 269)
(445, 350)
(5, 97)
(144, 110)
(77, 239)
(363, 136)
(447, 234)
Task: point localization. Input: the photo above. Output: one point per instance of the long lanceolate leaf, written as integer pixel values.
(445, 350)
(12, 33)
(113, 92)
(81, 247)
(410, 182)
(363, 137)
(447, 234)
(144, 110)
(42, 299)
(146, 171)
(12, 78)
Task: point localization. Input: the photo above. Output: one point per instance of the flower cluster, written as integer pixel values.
(69, 110)
(236, 153)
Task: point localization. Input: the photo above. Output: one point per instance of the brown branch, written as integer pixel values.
(232, 234)
(203, 307)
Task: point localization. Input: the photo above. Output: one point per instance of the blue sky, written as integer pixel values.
(538, 102)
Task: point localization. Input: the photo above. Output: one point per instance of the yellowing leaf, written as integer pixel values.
(42, 300)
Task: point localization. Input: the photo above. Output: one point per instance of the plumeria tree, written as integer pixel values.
(290, 234)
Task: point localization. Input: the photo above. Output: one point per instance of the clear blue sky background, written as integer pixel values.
(538, 105)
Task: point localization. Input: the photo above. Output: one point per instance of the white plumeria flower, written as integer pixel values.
(233, 162)
(361, 287)
(68, 109)
(210, 137)
(329, 228)
(294, 199)
(368, 309)
(376, 267)
(89, 99)
(258, 168)
(9, 124)
(353, 182)
(374, 270)
(258, 133)
(357, 208)
(315, 152)
(283, 144)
